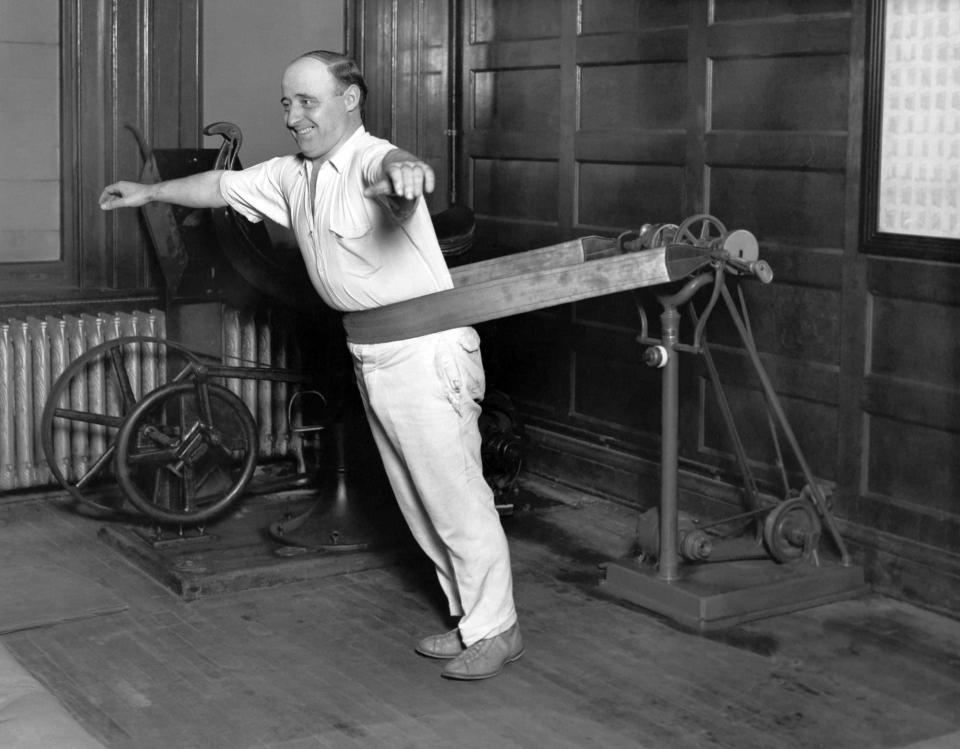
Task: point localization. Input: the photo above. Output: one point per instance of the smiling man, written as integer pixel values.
(355, 203)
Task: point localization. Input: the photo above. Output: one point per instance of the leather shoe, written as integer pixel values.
(447, 645)
(487, 657)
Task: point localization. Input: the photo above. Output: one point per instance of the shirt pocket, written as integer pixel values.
(359, 253)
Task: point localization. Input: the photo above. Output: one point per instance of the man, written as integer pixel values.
(355, 205)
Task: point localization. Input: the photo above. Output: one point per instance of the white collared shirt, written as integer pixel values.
(355, 256)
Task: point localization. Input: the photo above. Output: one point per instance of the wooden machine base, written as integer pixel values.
(715, 595)
(236, 553)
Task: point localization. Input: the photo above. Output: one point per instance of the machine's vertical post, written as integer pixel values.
(668, 564)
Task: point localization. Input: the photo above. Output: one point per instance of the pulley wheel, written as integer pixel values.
(186, 451)
(791, 530)
(89, 401)
(701, 230)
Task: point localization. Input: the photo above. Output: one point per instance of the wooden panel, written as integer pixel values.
(790, 377)
(497, 236)
(125, 259)
(612, 386)
(913, 463)
(775, 93)
(627, 196)
(517, 100)
(907, 279)
(907, 341)
(500, 21)
(403, 49)
(630, 146)
(515, 189)
(529, 144)
(911, 401)
(814, 424)
(910, 523)
(796, 322)
(777, 150)
(918, 403)
(632, 97)
(533, 343)
(511, 54)
(912, 350)
(750, 10)
(805, 266)
(793, 207)
(781, 36)
(611, 16)
(648, 45)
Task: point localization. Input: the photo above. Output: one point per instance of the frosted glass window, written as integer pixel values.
(29, 130)
(919, 192)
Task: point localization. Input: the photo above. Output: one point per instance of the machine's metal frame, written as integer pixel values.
(131, 426)
(778, 567)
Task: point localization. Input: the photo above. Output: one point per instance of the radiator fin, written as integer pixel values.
(34, 352)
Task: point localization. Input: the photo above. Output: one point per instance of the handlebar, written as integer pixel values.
(758, 268)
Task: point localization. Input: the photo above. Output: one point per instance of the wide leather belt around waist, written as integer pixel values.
(524, 282)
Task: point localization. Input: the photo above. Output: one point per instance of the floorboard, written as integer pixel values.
(329, 662)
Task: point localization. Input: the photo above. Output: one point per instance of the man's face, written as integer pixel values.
(318, 117)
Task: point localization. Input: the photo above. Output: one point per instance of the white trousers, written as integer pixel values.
(421, 397)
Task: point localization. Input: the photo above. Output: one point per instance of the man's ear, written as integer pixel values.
(351, 97)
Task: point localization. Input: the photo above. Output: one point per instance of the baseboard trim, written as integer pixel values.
(895, 566)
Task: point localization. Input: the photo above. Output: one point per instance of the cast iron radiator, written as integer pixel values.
(35, 351)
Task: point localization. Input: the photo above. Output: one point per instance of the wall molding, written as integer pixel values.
(894, 566)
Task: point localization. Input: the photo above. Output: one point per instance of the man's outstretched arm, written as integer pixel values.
(404, 179)
(196, 191)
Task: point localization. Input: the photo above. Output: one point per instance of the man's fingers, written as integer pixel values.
(110, 199)
(383, 187)
(405, 180)
(114, 196)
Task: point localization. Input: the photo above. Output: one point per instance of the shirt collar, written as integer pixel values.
(341, 157)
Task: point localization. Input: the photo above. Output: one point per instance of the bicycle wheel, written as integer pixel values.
(87, 406)
(186, 452)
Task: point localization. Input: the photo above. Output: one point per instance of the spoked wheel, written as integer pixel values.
(701, 230)
(186, 451)
(87, 406)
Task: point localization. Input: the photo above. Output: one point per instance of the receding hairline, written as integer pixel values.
(341, 67)
(327, 57)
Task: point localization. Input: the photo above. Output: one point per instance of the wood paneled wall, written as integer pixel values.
(593, 117)
(652, 112)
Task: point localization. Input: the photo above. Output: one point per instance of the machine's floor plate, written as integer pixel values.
(719, 594)
(236, 553)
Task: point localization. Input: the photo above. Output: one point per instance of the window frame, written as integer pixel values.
(25, 279)
(874, 241)
(138, 64)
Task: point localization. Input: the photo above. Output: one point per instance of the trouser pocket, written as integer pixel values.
(460, 367)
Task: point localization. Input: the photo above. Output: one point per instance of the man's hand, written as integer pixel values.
(404, 177)
(125, 195)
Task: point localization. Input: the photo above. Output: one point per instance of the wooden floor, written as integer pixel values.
(330, 663)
